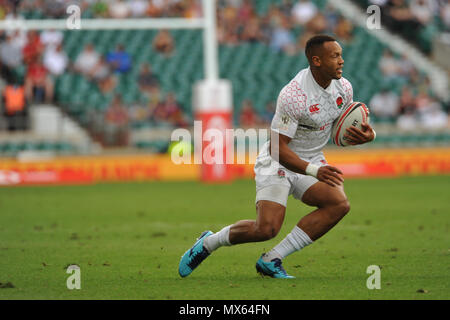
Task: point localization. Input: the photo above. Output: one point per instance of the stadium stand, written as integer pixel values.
(418, 21)
(261, 49)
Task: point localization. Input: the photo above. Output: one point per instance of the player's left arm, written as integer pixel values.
(357, 136)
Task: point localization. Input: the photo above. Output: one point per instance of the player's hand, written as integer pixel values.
(330, 175)
(355, 136)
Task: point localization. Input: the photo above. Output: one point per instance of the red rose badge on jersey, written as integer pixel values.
(339, 102)
(281, 173)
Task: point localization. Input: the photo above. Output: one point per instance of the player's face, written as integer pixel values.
(331, 60)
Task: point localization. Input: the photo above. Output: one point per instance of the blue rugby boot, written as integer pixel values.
(194, 256)
(272, 269)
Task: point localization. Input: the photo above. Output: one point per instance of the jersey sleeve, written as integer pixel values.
(290, 105)
(348, 90)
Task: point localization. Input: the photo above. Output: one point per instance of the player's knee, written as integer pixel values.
(343, 207)
(266, 232)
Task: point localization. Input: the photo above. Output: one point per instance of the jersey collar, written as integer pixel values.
(316, 86)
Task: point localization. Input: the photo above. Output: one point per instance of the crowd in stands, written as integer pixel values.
(415, 107)
(31, 61)
(117, 9)
(415, 20)
(239, 22)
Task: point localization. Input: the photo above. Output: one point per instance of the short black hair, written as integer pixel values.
(315, 42)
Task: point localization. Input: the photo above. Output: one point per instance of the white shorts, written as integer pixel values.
(275, 183)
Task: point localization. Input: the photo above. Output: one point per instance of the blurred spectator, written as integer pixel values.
(303, 11)
(344, 30)
(116, 123)
(233, 3)
(87, 60)
(193, 9)
(445, 15)
(317, 25)
(407, 101)
(385, 105)
(157, 8)
(56, 60)
(38, 84)
(119, 9)
(405, 67)
(227, 29)
(164, 43)
(332, 17)
(422, 10)
(15, 18)
(10, 56)
(408, 120)
(119, 60)
(14, 5)
(55, 8)
(100, 9)
(419, 81)
(147, 80)
(138, 114)
(245, 12)
(34, 47)
(51, 38)
(103, 76)
(286, 7)
(252, 31)
(273, 18)
(400, 18)
(423, 102)
(389, 65)
(15, 106)
(283, 40)
(380, 3)
(138, 8)
(20, 39)
(169, 112)
(248, 117)
(435, 119)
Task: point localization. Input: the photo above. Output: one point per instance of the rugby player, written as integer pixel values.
(292, 163)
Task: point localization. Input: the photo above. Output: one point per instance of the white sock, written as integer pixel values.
(219, 239)
(294, 241)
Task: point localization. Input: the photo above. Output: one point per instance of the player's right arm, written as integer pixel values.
(290, 160)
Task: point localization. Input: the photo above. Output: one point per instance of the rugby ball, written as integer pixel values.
(353, 115)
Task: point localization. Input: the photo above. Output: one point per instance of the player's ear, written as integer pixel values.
(315, 61)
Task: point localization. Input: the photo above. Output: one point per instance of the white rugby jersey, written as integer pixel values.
(305, 111)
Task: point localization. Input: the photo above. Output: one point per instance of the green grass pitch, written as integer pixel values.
(128, 238)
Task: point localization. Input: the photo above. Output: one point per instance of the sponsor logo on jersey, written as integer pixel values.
(314, 108)
(285, 119)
